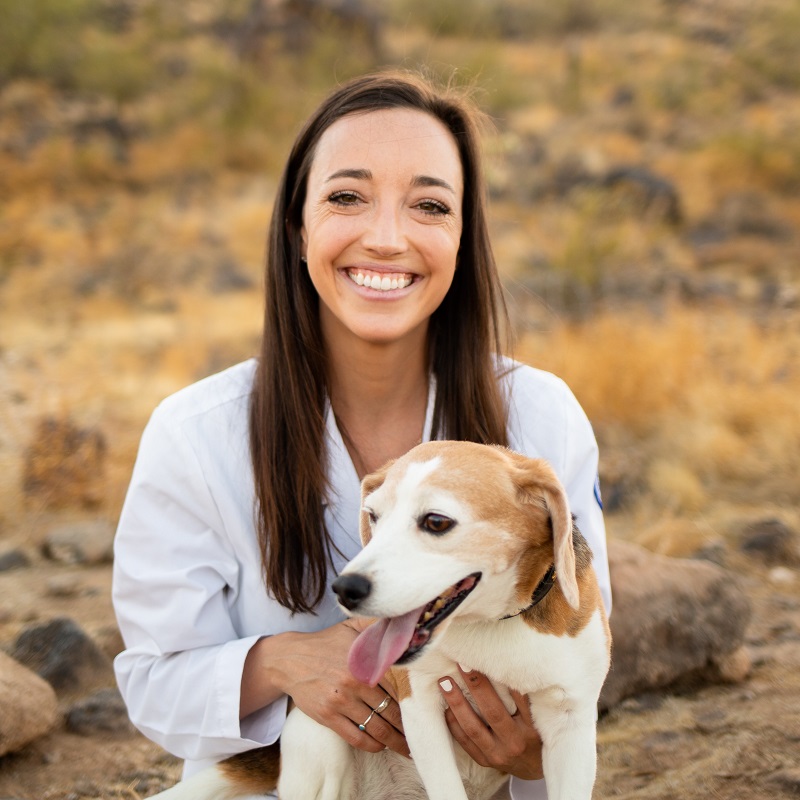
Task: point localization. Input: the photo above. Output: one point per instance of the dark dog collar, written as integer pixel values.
(545, 585)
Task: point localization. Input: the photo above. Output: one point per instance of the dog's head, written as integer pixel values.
(452, 529)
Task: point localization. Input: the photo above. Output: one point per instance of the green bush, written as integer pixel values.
(41, 38)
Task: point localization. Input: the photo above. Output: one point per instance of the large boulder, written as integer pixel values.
(65, 656)
(28, 706)
(90, 541)
(673, 620)
(101, 713)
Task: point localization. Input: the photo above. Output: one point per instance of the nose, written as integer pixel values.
(384, 235)
(351, 590)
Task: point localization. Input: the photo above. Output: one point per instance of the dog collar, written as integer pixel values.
(545, 585)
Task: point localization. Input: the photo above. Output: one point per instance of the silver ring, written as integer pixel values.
(383, 704)
(363, 725)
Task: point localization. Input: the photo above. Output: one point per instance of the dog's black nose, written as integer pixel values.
(351, 590)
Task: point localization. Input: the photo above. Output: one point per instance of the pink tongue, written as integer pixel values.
(380, 645)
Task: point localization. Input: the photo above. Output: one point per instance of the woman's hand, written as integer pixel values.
(312, 669)
(501, 740)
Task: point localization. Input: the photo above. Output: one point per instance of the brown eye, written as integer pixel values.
(436, 523)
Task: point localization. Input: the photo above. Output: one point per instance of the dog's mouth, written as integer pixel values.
(397, 640)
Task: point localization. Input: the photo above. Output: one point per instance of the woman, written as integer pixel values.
(382, 329)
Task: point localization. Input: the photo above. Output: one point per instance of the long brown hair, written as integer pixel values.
(288, 400)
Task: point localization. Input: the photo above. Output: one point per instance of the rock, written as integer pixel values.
(227, 276)
(64, 586)
(782, 576)
(788, 780)
(87, 542)
(746, 213)
(649, 193)
(774, 542)
(103, 712)
(673, 620)
(14, 559)
(61, 653)
(28, 706)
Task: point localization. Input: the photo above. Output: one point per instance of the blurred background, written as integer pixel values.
(644, 177)
(644, 172)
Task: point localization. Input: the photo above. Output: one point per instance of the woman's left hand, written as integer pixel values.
(501, 740)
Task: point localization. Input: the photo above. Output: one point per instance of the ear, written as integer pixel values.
(537, 483)
(303, 242)
(371, 483)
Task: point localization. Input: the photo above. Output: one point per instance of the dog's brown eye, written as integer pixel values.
(373, 517)
(436, 523)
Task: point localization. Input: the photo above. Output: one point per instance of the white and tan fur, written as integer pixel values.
(512, 522)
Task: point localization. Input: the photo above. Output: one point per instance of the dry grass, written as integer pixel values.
(113, 250)
(696, 410)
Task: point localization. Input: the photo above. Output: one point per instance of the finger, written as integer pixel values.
(387, 735)
(377, 732)
(468, 745)
(358, 624)
(523, 707)
(473, 727)
(391, 713)
(490, 706)
(354, 736)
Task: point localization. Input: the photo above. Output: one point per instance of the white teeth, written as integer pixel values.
(385, 283)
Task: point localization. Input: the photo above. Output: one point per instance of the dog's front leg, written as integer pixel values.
(569, 753)
(316, 764)
(431, 744)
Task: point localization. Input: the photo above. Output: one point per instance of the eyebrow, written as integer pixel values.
(365, 175)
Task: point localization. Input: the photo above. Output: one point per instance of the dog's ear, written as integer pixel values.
(370, 483)
(537, 483)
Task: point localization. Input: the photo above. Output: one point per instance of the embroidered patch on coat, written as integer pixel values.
(597, 495)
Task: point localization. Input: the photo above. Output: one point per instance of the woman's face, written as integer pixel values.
(382, 225)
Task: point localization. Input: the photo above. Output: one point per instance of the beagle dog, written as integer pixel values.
(470, 558)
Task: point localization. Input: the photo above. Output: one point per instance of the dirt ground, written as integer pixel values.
(726, 741)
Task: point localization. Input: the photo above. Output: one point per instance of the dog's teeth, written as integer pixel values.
(438, 604)
(427, 616)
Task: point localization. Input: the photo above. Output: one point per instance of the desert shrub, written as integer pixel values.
(710, 401)
(65, 465)
(770, 44)
(41, 38)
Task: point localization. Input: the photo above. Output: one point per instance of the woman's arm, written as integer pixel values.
(193, 679)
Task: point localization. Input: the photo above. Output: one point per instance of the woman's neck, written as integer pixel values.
(379, 395)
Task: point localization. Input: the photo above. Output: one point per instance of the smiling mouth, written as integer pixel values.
(382, 282)
(396, 640)
(436, 612)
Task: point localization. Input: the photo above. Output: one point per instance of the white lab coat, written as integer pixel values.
(188, 588)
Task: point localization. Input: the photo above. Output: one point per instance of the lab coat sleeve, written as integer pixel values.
(174, 577)
(581, 480)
